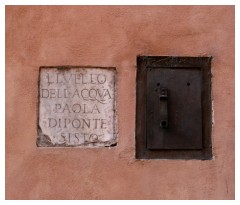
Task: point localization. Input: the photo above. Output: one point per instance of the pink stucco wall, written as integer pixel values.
(114, 36)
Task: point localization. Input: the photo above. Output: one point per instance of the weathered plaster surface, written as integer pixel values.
(113, 36)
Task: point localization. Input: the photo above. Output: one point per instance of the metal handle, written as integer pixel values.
(163, 97)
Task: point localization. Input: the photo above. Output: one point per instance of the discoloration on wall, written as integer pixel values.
(114, 36)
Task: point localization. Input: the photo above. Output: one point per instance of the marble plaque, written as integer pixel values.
(77, 107)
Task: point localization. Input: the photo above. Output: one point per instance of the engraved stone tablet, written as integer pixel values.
(77, 107)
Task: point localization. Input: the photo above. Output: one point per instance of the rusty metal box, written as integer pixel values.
(173, 118)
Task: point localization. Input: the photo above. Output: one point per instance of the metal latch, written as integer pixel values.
(163, 97)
